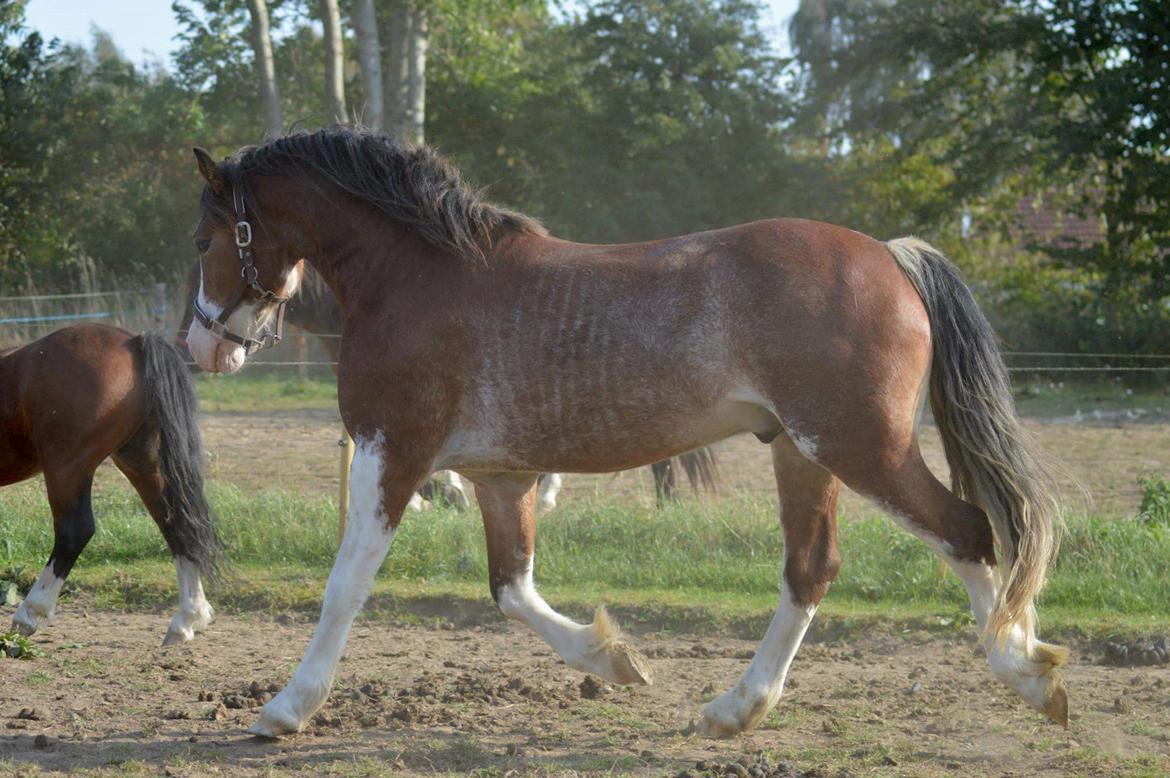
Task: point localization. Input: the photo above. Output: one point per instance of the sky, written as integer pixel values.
(144, 29)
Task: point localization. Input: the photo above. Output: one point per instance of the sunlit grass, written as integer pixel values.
(723, 555)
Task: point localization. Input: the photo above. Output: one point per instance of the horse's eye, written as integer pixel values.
(203, 244)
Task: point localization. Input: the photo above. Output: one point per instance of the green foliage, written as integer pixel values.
(618, 120)
(1155, 507)
(14, 645)
(664, 119)
(1012, 98)
(88, 177)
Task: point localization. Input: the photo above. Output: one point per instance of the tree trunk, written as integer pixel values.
(416, 94)
(397, 69)
(334, 62)
(265, 69)
(365, 23)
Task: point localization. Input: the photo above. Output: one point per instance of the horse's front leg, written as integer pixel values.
(380, 487)
(507, 503)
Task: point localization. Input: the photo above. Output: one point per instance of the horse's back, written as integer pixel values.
(74, 394)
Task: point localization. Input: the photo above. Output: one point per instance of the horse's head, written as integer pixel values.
(249, 267)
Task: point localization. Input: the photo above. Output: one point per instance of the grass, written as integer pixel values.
(689, 564)
(1056, 395)
(258, 390)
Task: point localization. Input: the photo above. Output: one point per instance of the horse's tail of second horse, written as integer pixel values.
(991, 456)
(174, 406)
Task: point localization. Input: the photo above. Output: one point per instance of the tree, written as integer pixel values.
(365, 24)
(416, 72)
(265, 68)
(334, 61)
(666, 118)
(1013, 97)
(398, 36)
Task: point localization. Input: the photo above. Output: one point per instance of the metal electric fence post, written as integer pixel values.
(347, 449)
(160, 306)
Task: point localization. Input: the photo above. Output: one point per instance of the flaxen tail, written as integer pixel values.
(190, 526)
(991, 456)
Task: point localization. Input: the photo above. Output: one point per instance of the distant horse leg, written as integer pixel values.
(548, 486)
(507, 503)
(665, 481)
(138, 461)
(444, 487)
(377, 500)
(69, 499)
(808, 504)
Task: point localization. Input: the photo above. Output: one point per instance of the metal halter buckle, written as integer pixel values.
(243, 234)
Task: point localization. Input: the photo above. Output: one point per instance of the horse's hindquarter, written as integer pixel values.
(73, 398)
(17, 458)
(603, 358)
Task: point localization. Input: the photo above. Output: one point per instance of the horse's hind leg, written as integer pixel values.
(961, 534)
(808, 512)
(138, 461)
(507, 503)
(69, 499)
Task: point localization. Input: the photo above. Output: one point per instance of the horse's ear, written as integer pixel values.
(210, 171)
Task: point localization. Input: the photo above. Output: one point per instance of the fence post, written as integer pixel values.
(160, 306)
(303, 358)
(347, 450)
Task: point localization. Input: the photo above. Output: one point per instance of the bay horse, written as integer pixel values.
(92, 392)
(314, 310)
(475, 341)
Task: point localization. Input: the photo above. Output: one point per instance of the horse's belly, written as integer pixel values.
(601, 441)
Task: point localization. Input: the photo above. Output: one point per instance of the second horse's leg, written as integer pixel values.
(69, 499)
(507, 503)
(140, 466)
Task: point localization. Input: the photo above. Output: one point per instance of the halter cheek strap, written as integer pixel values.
(217, 326)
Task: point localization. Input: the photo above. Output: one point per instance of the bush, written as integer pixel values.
(1155, 507)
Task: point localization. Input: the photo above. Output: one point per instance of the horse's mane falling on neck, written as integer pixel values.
(413, 186)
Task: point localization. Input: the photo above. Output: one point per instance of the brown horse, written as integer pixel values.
(87, 393)
(315, 311)
(475, 341)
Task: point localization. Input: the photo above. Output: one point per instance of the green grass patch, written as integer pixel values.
(257, 390)
(1058, 395)
(695, 562)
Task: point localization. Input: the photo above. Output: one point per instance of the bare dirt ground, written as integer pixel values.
(298, 451)
(488, 695)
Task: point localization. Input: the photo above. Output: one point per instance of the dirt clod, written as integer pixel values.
(591, 688)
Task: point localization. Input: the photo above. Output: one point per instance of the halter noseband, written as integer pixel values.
(251, 279)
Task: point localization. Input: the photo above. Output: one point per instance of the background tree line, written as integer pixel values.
(623, 120)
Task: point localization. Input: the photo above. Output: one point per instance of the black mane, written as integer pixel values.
(414, 186)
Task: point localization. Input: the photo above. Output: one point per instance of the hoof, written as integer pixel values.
(276, 720)
(718, 724)
(175, 636)
(733, 712)
(1056, 708)
(23, 628)
(630, 667)
(611, 657)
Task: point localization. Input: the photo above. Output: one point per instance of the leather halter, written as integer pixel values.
(251, 280)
